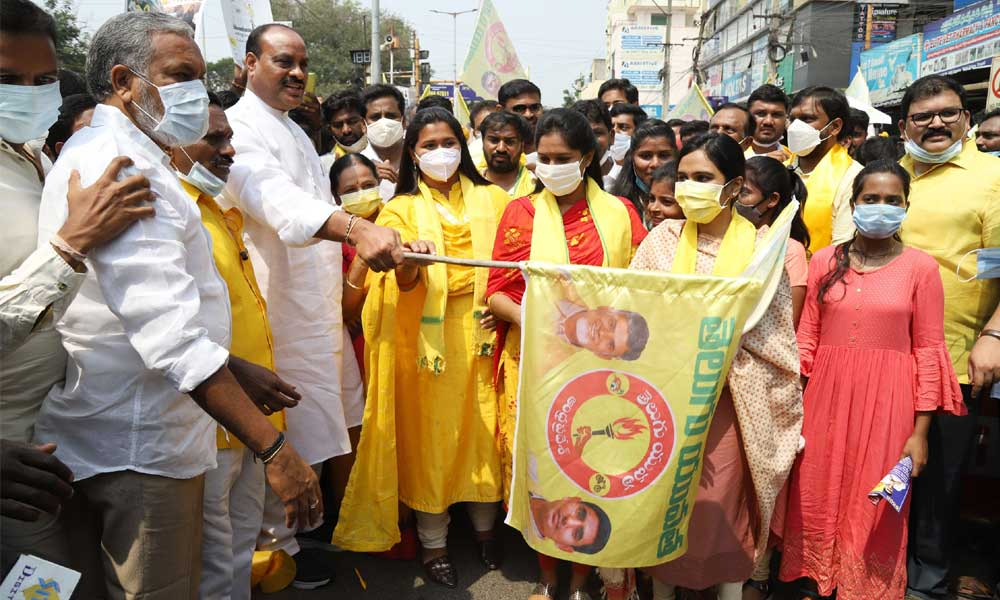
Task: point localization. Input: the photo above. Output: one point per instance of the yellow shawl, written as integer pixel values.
(822, 184)
(734, 253)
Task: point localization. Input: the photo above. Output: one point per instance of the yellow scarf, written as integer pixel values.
(734, 253)
(548, 237)
(822, 184)
(482, 221)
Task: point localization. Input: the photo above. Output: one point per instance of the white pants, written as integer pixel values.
(726, 591)
(233, 510)
(432, 528)
(273, 534)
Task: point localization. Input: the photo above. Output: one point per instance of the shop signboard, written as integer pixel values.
(967, 39)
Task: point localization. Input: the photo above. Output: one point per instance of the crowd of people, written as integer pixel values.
(214, 349)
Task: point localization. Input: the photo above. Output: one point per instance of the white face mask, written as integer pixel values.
(362, 202)
(441, 163)
(559, 179)
(917, 152)
(200, 177)
(357, 146)
(803, 138)
(27, 111)
(185, 112)
(385, 133)
(620, 147)
(531, 159)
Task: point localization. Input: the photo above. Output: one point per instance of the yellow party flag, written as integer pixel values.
(491, 61)
(692, 107)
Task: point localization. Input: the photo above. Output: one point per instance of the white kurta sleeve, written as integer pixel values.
(42, 286)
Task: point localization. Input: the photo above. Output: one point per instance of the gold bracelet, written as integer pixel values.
(347, 280)
(350, 228)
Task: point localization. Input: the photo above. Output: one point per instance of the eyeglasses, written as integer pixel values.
(523, 108)
(947, 116)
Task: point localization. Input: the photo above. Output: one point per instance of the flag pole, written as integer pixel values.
(465, 262)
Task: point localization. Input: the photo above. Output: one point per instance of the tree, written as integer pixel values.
(332, 29)
(572, 94)
(71, 42)
(219, 74)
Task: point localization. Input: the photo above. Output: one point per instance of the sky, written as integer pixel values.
(555, 44)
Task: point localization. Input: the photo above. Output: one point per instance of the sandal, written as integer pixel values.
(971, 588)
(543, 591)
(441, 570)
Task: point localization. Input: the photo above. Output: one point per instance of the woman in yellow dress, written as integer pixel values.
(429, 432)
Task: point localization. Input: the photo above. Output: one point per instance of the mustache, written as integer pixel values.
(290, 79)
(933, 132)
(222, 161)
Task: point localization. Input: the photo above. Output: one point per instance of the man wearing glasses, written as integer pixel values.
(522, 97)
(954, 210)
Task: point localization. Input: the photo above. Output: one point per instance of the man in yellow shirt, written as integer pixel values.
(234, 490)
(954, 210)
(503, 135)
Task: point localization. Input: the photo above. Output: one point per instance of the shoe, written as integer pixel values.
(313, 569)
(579, 595)
(543, 591)
(441, 570)
(491, 554)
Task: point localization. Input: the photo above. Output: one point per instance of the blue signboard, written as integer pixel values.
(890, 68)
(653, 110)
(448, 90)
(642, 37)
(967, 39)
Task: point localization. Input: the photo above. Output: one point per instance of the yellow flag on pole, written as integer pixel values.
(692, 107)
(491, 61)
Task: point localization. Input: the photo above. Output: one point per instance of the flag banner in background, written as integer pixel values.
(492, 60)
(240, 18)
(692, 107)
(620, 374)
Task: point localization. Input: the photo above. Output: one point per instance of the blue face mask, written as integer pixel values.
(878, 221)
(935, 158)
(27, 111)
(987, 264)
(639, 183)
(994, 153)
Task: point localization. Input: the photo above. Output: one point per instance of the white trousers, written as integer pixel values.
(273, 535)
(233, 510)
(432, 528)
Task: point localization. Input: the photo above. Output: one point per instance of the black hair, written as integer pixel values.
(751, 122)
(345, 162)
(342, 100)
(228, 98)
(71, 83)
(515, 88)
(676, 123)
(594, 111)
(834, 104)
(381, 90)
(841, 259)
(575, 130)
(858, 120)
(694, 128)
(435, 100)
(990, 115)
(477, 107)
(638, 115)
(625, 185)
(722, 150)
(26, 17)
(878, 148)
(626, 87)
(501, 119)
(769, 93)
(603, 531)
(665, 172)
(927, 86)
(214, 100)
(72, 107)
(770, 176)
(253, 40)
(408, 173)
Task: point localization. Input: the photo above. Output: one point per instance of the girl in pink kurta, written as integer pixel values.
(871, 344)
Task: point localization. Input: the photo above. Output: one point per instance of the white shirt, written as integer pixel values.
(386, 188)
(32, 359)
(278, 183)
(150, 323)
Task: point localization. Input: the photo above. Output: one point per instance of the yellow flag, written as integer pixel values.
(692, 107)
(491, 61)
(616, 396)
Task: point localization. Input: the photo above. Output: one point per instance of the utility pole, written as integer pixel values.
(454, 39)
(376, 67)
(666, 59)
(416, 63)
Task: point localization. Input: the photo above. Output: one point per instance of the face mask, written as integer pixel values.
(203, 179)
(639, 183)
(750, 212)
(559, 179)
(620, 146)
(441, 163)
(994, 153)
(803, 139)
(362, 203)
(987, 264)
(606, 158)
(699, 201)
(878, 221)
(27, 111)
(185, 112)
(357, 146)
(917, 152)
(385, 133)
(531, 159)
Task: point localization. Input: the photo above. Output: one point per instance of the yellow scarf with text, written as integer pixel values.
(822, 184)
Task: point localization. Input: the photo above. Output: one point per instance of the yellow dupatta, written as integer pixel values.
(611, 218)
(822, 184)
(483, 224)
(734, 253)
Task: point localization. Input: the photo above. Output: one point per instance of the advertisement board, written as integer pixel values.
(890, 68)
(967, 39)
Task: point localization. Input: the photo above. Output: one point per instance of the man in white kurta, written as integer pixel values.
(278, 183)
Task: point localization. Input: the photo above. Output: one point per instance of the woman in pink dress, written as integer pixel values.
(872, 348)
